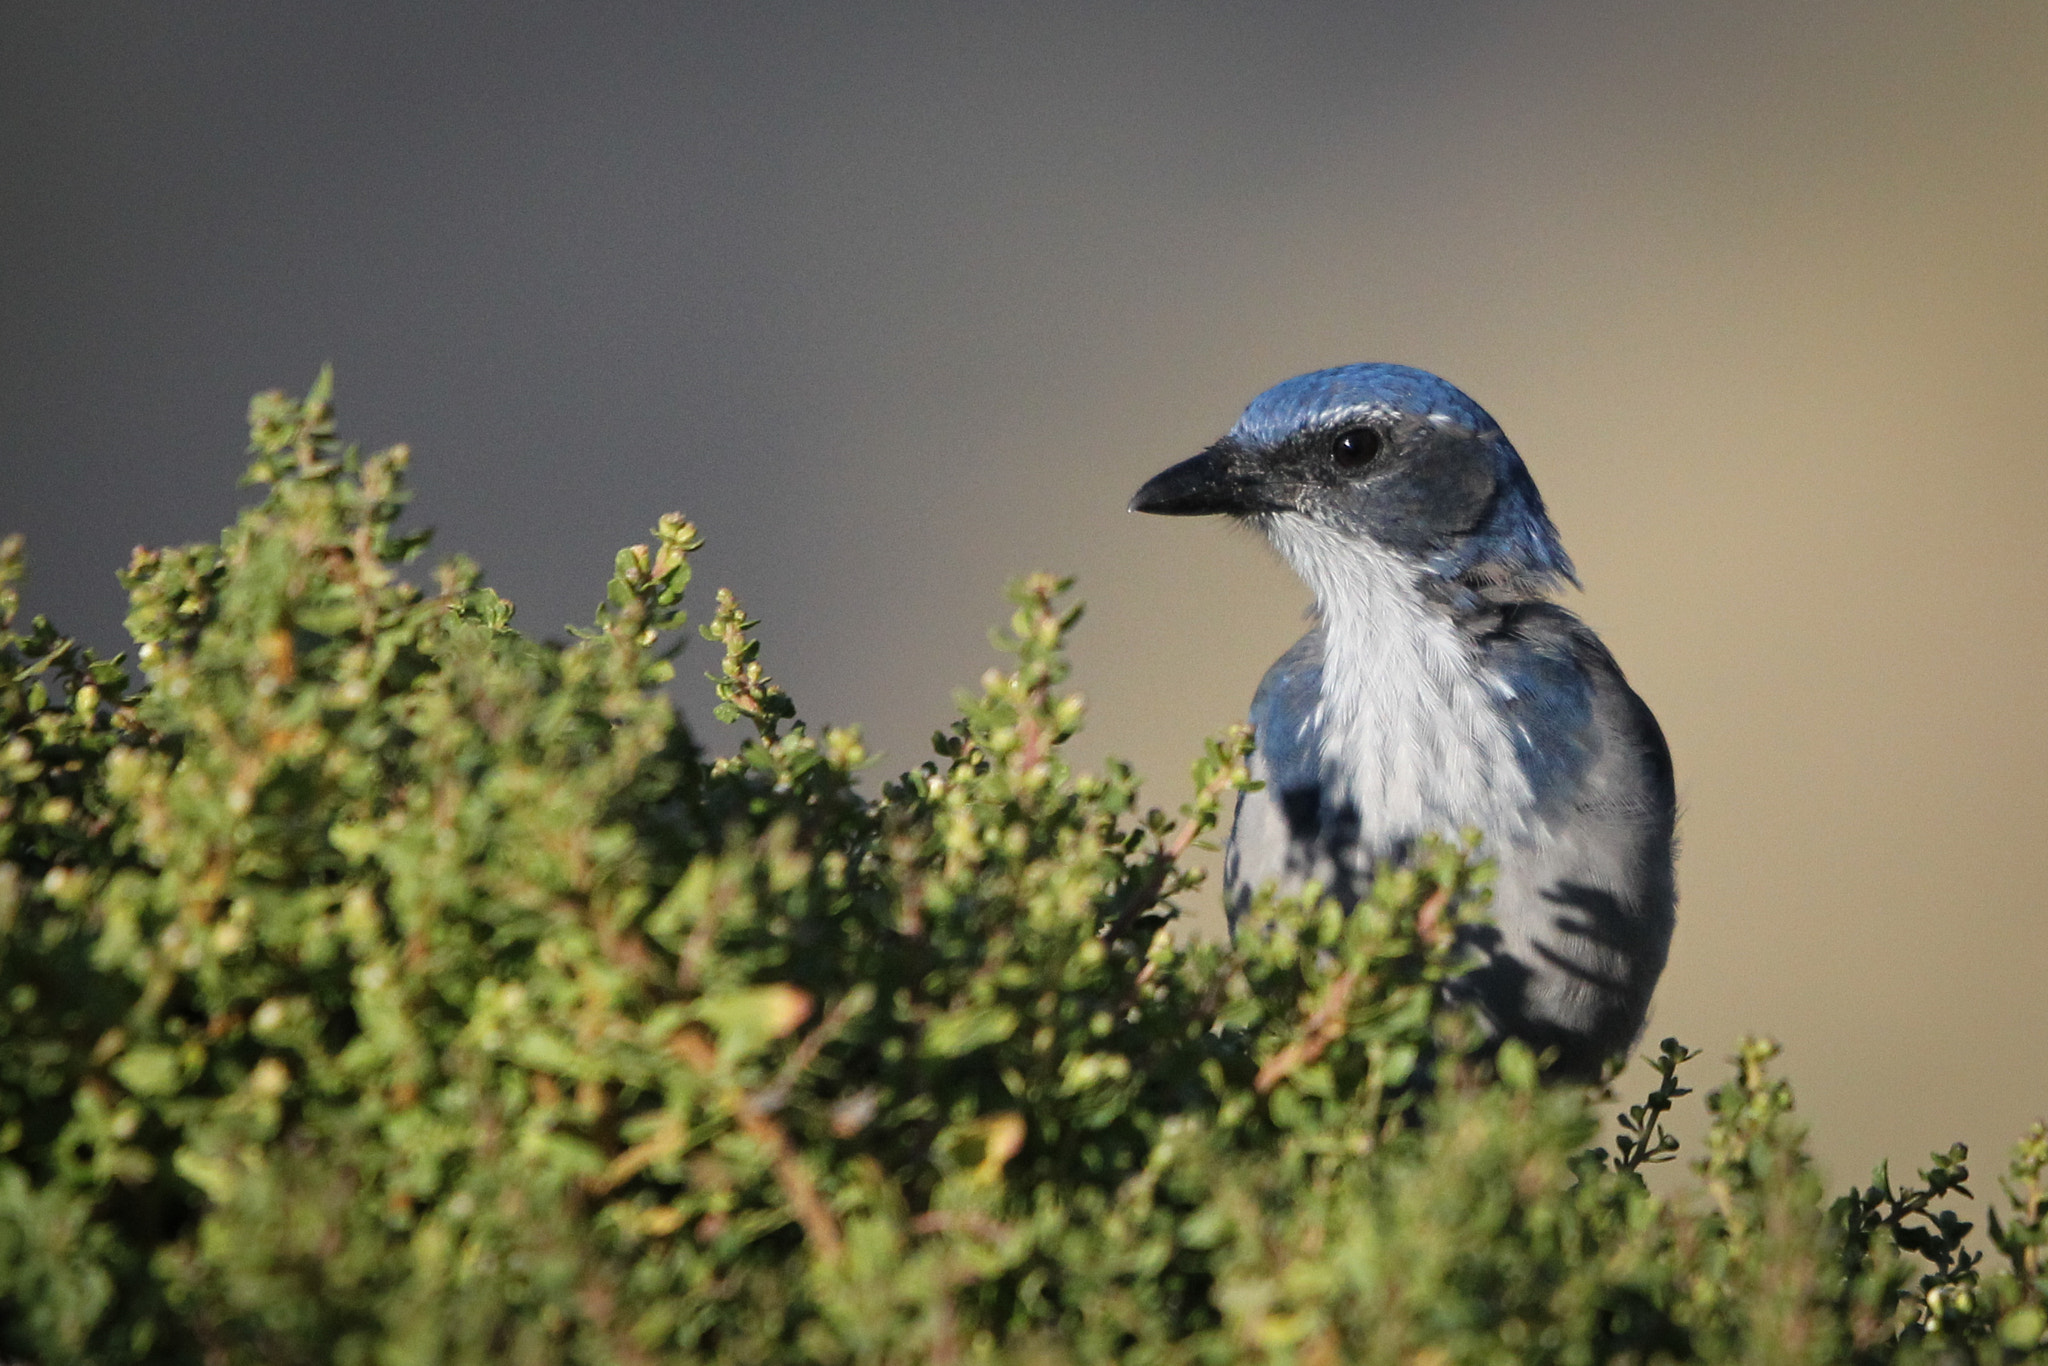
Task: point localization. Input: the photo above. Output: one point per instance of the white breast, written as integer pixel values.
(1411, 732)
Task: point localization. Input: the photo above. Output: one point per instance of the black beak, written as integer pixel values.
(1208, 484)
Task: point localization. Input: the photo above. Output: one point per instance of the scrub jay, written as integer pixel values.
(1442, 690)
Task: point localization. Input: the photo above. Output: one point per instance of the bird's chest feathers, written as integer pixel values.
(1413, 737)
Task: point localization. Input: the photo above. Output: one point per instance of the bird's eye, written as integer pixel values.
(1355, 448)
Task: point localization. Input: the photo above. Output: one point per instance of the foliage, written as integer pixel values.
(385, 985)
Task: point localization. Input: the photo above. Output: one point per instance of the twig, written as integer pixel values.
(1325, 1027)
(1429, 924)
(798, 1189)
(810, 1211)
(1184, 838)
(775, 1094)
(961, 1221)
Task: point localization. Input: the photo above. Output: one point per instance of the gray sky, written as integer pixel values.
(901, 303)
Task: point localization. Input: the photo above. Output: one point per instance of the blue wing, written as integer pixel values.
(1276, 837)
(1547, 702)
(1284, 726)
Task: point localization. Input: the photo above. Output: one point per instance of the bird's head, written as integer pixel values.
(1381, 455)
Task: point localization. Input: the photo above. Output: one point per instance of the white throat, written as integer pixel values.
(1411, 732)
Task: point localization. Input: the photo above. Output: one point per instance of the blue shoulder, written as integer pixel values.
(1538, 660)
(1283, 716)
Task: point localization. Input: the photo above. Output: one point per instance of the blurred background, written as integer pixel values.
(900, 302)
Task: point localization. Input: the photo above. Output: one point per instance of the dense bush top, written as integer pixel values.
(384, 985)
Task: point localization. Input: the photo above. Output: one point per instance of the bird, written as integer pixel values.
(1441, 689)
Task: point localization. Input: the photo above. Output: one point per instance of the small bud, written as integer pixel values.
(269, 1078)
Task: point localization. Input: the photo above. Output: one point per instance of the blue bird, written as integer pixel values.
(1442, 690)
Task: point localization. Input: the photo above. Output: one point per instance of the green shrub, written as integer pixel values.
(384, 985)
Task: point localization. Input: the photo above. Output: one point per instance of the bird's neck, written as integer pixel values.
(1412, 732)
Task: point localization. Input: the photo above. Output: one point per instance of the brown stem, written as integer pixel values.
(810, 1211)
(959, 1221)
(798, 1189)
(1324, 1028)
(772, 1096)
(1183, 838)
(1429, 923)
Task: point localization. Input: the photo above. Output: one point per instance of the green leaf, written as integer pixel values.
(149, 1070)
(968, 1028)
